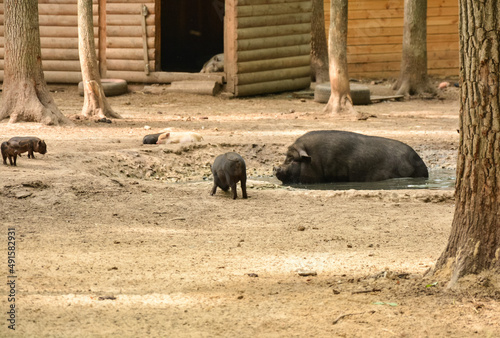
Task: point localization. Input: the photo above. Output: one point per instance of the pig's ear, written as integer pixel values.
(304, 156)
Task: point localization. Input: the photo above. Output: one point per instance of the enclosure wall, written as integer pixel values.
(375, 37)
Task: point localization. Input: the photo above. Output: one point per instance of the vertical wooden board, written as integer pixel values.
(230, 42)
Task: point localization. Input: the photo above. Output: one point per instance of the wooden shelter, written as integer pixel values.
(266, 43)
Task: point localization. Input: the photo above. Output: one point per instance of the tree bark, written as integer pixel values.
(319, 49)
(95, 104)
(474, 242)
(413, 77)
(340, 102)
(26, 96)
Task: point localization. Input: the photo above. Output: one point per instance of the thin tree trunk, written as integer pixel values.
(26, 96)
(95, 104)
(319, 49)
(474, 243)
(413, 77)
(340, 102)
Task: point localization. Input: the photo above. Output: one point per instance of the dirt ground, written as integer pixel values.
(116, 238)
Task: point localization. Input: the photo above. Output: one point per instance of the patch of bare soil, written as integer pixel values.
(116, 238)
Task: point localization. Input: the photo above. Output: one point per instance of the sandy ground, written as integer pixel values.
(116, 238)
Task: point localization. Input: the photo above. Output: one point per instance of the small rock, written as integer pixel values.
(252, 275)
(301, 228)
(306, 273)
(147, 127)
(349, 245)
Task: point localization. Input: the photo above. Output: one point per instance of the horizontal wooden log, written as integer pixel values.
(262, 65)
(128, 20)
(261, 2)
(74, 2)
(59, 54)
(272, 42)
(65, 43)
(128, 8)
(273, 53)
(273, 86)
(273, 75)
(62, 77)
(62, 20)
(162, 77)
(274, 9)
(273, 20)
(62, 32)
(128, 31)
(114, 42)
(127, 65)
(274, 31)
(128, 54)
(195, 87)
(63, 9)
(130, 1)
(61, 65)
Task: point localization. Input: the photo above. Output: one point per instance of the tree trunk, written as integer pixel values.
(340, 102)
(413, 77)
(26, 96)
(319, 49)
(474, 242)
(95, 104)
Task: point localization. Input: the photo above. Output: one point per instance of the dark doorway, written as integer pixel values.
(192, 31)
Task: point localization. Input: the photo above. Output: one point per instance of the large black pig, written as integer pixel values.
(341, 156)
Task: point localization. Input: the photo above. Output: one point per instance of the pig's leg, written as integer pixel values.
(232, 183)
(214, 188)
(233, 190)
(244, 187)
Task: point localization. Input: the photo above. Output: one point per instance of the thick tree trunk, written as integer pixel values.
(474, 243)
(319, 49)
(95, 104)
(413, 77)
(26, 96)
(340, 102)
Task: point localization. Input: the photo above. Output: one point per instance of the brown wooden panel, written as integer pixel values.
(274, 75)
(129, 8)
(128, 54)
(62, 9)
(273, 86)
(262, 65)
(273, 53)
(274, 9)
(274, 31)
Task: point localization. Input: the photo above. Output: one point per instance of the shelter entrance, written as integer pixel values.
(192, 31)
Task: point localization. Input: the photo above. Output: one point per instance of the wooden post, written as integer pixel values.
(230, 36)
(144, 14)
(102, 38)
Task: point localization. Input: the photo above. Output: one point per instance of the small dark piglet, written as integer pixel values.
(28, 144)
(151, 138)
(228, 169)
(9, 150)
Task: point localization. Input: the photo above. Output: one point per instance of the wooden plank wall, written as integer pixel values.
(58, 39)
(124, 38)
(272, 46)
(375, 36)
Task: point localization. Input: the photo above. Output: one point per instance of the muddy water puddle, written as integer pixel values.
(439, 179)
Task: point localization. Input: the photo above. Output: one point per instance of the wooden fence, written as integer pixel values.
(375, 37)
